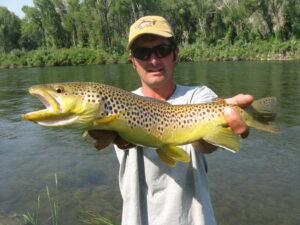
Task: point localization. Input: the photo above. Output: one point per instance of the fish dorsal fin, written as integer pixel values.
(220, 101)
(154, 100)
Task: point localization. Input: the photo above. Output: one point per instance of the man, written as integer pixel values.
(152, 192)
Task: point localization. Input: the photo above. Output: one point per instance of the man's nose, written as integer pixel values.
(154, 59)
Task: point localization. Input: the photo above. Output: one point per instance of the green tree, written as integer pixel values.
(182, 17)
(32, 33)
(291, 20)
(235, 16)
(93, 22)
(53, 31)
(10, 30)
(74, 24)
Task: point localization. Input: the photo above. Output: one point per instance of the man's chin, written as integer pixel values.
(157, 82)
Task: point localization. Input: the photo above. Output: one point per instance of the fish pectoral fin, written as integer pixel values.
(224, 138)
(171, 154)
(165, 157)
(108, 119)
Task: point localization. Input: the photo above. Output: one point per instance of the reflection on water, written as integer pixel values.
(259, 185)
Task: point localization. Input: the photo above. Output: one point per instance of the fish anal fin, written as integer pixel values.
(224, 138)
(165, 157)
(177, 153)
(172, 154)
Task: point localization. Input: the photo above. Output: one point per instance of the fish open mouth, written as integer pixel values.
(43, 100)
(52, 114)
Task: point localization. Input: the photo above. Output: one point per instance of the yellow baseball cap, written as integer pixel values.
(156, 25)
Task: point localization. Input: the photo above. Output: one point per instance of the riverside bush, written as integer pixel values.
(259, 50)
(199, 51)
(56, 57)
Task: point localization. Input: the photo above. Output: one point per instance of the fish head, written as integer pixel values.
(65, 104)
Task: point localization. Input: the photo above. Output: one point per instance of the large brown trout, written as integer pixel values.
(145, 121)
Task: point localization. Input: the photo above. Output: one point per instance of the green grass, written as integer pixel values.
(93, 218)
(54, 205)
(32, 218)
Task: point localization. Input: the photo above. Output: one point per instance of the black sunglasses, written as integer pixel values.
(160, 51)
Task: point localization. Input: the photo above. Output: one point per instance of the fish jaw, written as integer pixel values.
(53, 114)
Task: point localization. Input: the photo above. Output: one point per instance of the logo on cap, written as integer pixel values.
(144, 24)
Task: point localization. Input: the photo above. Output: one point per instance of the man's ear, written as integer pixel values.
(131, 59)
(175, 53)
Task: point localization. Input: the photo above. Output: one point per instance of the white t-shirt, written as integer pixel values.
(156, 194)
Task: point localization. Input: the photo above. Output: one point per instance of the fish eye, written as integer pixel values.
(59, 90)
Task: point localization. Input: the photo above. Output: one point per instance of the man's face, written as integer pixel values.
(155, 72)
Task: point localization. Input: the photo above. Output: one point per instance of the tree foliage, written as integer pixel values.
(10, 26)
(104, 24)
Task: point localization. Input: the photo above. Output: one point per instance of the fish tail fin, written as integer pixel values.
(223, 137)
(172, 154)
(263, 126)
(263, 109)
(263, 112)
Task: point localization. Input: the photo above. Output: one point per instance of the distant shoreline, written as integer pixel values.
(260, 51)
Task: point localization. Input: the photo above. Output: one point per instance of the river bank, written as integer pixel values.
(198, 52)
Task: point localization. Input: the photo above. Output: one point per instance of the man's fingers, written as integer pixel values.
(102, 138)
(241, 100)
(101, 144)
(102, 134)
(235, 123)
(122, 144)
(245, 134)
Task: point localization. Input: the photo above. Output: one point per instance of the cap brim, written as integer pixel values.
(158, 33)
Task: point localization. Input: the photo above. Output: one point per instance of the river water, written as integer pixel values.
(260, 185)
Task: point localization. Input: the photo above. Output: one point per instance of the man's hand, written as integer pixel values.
(234, 121)
(103, 138)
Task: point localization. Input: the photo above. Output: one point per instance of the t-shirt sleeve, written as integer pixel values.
(202, 95)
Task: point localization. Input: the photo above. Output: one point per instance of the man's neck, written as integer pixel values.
(159, 93)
